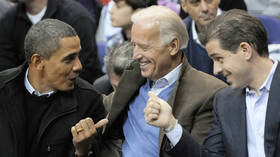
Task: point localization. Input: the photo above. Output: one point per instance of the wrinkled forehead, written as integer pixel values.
(145, 32)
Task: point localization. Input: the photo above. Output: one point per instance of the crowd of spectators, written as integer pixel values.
(152, 78)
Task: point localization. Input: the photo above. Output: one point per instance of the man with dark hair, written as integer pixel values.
(26, 13)
(246, 114)
(42, 99)
(201, 12)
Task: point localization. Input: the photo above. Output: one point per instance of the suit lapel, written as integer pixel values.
(237, 122)
(128, 87)
(272, 120)
(171, 99)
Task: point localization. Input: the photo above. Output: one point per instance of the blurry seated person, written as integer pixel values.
(116, 61)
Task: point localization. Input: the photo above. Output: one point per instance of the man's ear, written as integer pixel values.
(173, 47)
(184, 5)
(37, 61)
(246, 50)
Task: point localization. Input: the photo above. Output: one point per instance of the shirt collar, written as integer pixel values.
(194, 32)
(267, 83)
(169, 78)
(30, 88)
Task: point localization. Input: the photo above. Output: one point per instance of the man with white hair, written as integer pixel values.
(158, 35)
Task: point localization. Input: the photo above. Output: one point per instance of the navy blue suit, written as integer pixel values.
(228, 136)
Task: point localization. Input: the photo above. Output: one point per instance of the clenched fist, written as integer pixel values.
(159, 113)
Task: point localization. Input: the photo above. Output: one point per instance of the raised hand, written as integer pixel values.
(159, 113)
(82, 132)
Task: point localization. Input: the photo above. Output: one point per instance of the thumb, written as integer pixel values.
(151, 95)
(101, 123)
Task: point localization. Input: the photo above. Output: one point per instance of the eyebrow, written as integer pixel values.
(214, 55)
(69, 56)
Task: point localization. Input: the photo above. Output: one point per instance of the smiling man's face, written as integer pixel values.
(63, 66)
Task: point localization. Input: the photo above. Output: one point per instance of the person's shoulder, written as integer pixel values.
(205, 80)
(11, 13)
(82, 84)
(227, 92)
(9, 74)
(72, 8)
(188, 21)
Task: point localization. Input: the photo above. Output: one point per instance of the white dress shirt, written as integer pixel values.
(256, 105)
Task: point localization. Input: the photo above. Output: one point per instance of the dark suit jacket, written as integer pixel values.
(53, 138)
(191, 100)
(228, 136)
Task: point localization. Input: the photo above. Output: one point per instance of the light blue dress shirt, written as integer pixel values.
(256, 105)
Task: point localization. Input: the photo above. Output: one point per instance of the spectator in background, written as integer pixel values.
(116, 61)
(225, 5)
(94, 8)
(201, 12)
(120, 15)
(23, 15)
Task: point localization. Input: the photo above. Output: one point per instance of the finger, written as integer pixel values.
(74, 132)
(153, 104)
(84, 125)
(154, 110)
(151, 110)
(151, 95)
(89, 123)
(80, 130)
(101, 123)
(151, 117)
(156, 98)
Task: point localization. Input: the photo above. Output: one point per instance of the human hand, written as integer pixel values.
(159, 113)
(82, 132)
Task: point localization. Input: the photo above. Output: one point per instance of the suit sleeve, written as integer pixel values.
(213, 146)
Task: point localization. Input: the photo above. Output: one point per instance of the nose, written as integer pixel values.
(136, 53)
(217, 68)
(77, 65)
(204, 6)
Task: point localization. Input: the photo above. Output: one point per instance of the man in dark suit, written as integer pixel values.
(246, 114)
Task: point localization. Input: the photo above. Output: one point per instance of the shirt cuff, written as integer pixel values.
(175, 134)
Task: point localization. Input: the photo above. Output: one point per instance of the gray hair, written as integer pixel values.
(171, 25)
(119, 58)
(44, 37)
